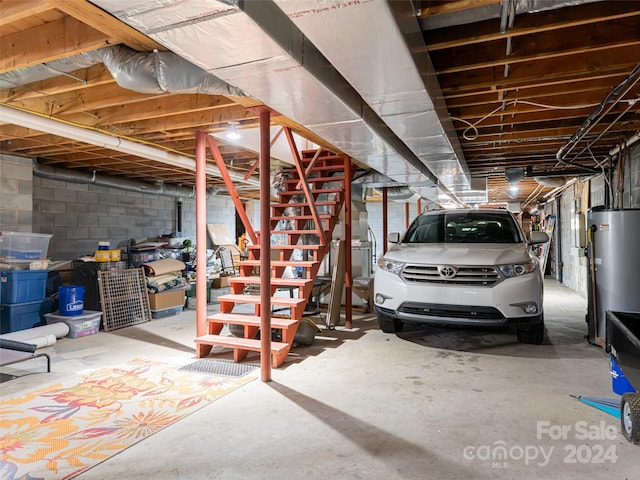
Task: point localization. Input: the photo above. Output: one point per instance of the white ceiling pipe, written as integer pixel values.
(113, 142)
(630, 141)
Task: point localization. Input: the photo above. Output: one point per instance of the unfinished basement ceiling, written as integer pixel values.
(508, 99)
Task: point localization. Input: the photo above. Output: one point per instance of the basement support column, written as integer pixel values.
(384, 220)
(419, 205)
(406, 215)
(265, 246)
(348, 279)
(201, 240)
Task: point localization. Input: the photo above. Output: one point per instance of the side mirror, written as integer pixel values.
(538, 237)
(393, 237)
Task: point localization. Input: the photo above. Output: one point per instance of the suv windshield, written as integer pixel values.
(465, 227)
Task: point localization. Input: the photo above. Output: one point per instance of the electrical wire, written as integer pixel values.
(474, 126)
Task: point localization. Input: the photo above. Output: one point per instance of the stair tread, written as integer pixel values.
(298, 204)
(239, 342)
(280, 263)
(314, 190)
(243, 319)
(301, 217)
(295, 181)
(295, 232)
(292, 282)
(256, 299)
(288, 247)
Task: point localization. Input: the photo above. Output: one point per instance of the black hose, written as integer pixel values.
(19, 346)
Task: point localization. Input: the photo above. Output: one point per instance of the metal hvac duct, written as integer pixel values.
(364, 41)
(75, 176)
(143, 72)
(255, 47)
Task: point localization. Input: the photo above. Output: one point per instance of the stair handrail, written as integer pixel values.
(233, 193)
(305, 186)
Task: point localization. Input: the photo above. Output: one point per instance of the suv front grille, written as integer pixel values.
(485, 276)
(451, 311)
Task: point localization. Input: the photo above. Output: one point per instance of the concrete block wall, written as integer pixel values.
(81, 215)
(16, 189)
(395, 222)
(631, 193)
(574, 264)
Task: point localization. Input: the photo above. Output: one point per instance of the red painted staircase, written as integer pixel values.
(309, 212)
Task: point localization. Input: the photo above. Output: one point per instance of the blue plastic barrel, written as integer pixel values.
(71, 300)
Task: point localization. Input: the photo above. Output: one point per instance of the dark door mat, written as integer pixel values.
(219, 367)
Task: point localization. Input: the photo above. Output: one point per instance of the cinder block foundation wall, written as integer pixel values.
(81, 215)
(16, 188)
(395, 222)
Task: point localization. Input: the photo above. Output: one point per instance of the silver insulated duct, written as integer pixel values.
(256, 48)
(143, 72)
(365, 43)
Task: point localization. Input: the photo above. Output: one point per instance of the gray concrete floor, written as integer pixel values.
(428, 403)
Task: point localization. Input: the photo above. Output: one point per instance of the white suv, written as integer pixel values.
(462, 267)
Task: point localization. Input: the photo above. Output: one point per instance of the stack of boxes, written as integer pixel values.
(22, 290)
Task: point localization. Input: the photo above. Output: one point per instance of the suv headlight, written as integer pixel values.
(390, 266)
(517, 269)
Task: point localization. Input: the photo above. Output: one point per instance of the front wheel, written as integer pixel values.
(388, 324)
(531, 334)
(630, 416)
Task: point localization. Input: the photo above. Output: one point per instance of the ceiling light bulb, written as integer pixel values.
(232, 133)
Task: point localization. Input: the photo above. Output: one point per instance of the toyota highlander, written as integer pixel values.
(467, 267)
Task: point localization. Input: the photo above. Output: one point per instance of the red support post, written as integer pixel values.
(348, 279)
(201, 238)
(384, 220)
(406, 215)
(265, 246)
(419, 206)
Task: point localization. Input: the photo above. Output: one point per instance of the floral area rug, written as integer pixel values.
(60, 431)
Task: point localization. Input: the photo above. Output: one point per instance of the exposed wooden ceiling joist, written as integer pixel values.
(505, 83)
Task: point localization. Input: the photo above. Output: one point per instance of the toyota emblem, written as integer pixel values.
(447, 271)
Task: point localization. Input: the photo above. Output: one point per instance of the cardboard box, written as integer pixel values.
(167, 299)
(221, 282)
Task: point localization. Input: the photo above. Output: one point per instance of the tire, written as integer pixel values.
(388, 324)
(630, 416)
(531, 334)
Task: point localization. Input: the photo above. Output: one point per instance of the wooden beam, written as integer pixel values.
(104, 22)
(530, 24)
(441, 8)
(88, 77)
(14, 11)
(592, 38)
(209, 119)
(542, 73)
(64, 38)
